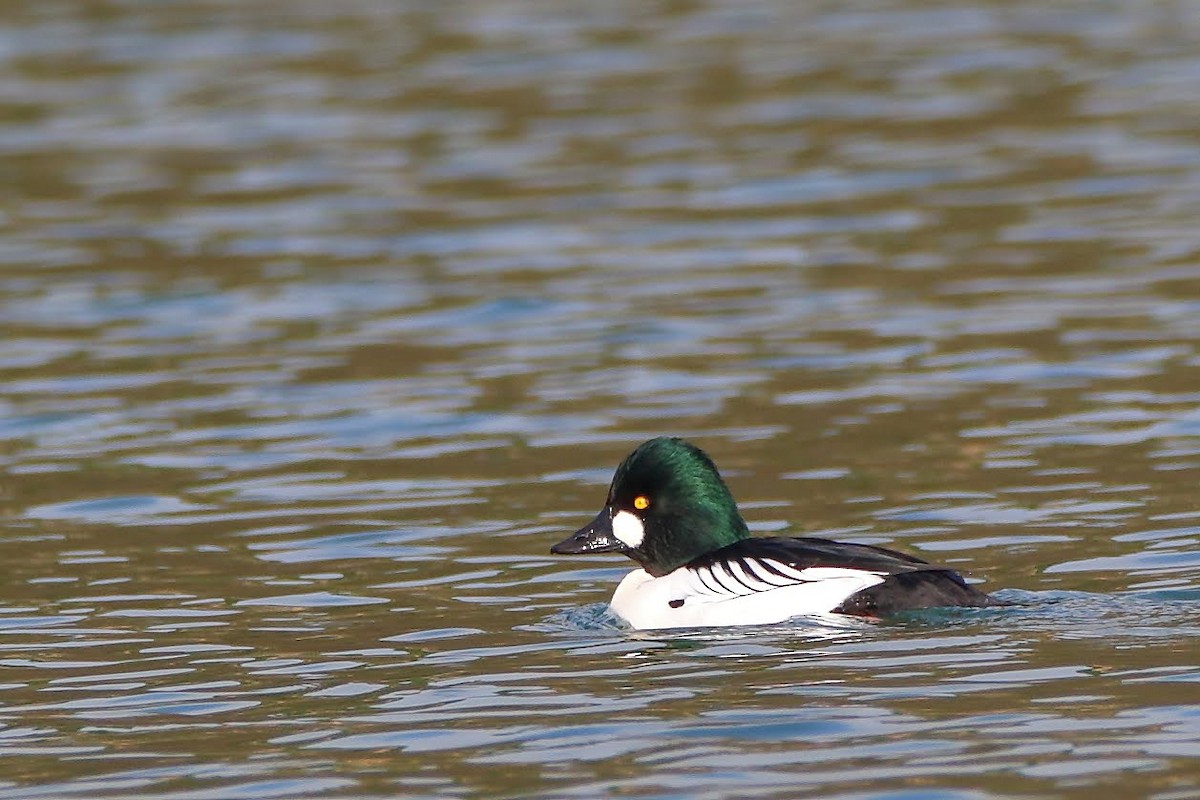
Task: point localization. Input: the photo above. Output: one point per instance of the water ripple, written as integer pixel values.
(320, 325)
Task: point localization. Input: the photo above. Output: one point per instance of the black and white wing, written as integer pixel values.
(880, 580)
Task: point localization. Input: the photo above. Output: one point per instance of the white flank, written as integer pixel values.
(628, 528)
(711, 597)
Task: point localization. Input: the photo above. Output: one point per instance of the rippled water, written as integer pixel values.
(319, 323)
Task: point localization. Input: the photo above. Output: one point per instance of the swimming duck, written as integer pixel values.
(669, 510)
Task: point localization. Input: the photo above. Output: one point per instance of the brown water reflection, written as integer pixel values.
(319, 323)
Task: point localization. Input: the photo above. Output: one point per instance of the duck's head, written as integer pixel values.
(667, 506)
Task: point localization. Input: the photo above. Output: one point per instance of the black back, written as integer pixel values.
(809, 551)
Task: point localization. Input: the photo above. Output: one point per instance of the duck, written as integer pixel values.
(669, 510)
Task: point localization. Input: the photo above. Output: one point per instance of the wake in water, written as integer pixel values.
(597, 618)
(1163, 612)
(591, 618)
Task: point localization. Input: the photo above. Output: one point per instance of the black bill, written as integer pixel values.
(595, 537)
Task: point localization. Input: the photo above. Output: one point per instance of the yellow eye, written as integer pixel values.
(641, 502)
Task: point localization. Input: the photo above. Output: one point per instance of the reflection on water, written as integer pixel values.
(320, 323)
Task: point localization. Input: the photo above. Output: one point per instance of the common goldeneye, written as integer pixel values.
(669, 510)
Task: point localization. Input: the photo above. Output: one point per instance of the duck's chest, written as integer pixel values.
(695, 598)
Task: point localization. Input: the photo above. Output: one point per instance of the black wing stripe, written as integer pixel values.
(790, 575)
(729, 569)
(749, 574)
(748, 565)
(770, 567)
(789, 572)
(741, 579)
(700, 575)
(713, 574)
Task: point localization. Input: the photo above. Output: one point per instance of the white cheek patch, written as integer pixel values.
(628, 528)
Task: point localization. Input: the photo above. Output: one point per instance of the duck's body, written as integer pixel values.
(761, 581)
(669, 510)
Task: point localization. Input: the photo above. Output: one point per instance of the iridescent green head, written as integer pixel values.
(667, 506)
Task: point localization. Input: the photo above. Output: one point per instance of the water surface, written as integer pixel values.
(320, 323)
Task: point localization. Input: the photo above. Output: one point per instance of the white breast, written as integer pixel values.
(711, 596)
